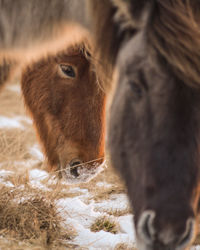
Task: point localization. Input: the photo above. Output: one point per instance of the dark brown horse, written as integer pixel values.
(68, 108)
(153, 46)
(154, 126)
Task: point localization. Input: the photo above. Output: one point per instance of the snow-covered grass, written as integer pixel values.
(81, 211)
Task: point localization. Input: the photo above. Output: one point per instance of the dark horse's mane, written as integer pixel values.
(174, 33)
(172, 30)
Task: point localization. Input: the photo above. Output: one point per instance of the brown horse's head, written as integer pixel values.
(67, 106)
(154, 127)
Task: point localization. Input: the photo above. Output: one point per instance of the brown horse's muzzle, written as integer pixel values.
(76, 169)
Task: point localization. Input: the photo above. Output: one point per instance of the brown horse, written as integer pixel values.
(62, 94)
(154, 127)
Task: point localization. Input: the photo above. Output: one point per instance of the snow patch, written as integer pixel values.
(116, 202)
(6, 122)
(103, 184)
(82, 216)
(126, 224)
(36, 176)
(24, 119)
(15, 88)
(36, 153)
(78, 190)
(3, 175)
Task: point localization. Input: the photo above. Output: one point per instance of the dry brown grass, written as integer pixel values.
(26, 215)
(124, 246)
(13, 244)
(118, 212)
(14, 144)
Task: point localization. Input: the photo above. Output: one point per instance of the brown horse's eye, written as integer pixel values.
(68, 71)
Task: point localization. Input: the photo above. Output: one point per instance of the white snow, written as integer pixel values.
(36, 153)
(126, 224)
(116, 202)
(14, 122)
(78, 190)
(23, 119)
(8, 123)
(100, 240)
(14, 87)
(3, 175)
(82, 216)
(103, 184)
(36, 176)
(7, 183)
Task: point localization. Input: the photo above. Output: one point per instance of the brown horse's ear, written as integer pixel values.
(132, 14)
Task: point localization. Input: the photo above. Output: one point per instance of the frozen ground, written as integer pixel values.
(81, 212)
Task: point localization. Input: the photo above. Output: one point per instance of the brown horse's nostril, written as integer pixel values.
(74, 164)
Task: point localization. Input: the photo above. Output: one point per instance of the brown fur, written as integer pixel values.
(68, 113)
